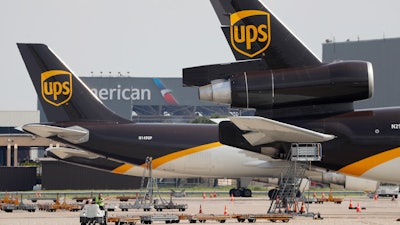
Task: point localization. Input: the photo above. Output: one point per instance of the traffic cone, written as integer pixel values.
(211, 195)
(296, 210)
(303, 208)
(232, 198)
(315, 196)
(204, 195)
(288, 210)
(225, 211)
(375, 196)
(215, 194)
(358, 209)
(351, 205)
(200, 210)
(323, 196)
(393, 198)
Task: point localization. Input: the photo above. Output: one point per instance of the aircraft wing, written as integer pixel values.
(263, 131)
(73, 134)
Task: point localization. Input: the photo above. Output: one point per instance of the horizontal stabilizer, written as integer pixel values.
(65, 153)
(263, 131)
(84, 158)
(73, 134)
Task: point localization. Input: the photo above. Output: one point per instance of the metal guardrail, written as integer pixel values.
(30, 194)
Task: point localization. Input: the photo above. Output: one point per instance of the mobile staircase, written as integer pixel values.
(288, 198)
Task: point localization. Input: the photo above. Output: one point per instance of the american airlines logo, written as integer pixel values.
(119, 93)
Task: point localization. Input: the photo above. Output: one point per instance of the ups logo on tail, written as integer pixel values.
(250, 39)
(56, 86)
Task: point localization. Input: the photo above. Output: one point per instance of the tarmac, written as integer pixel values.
(381, 211)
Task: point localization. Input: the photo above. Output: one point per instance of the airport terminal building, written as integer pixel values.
(166, 100)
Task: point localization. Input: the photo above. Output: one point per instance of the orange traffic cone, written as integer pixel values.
(351, 205)
(200, 210)
(375, 196)
(296, 210)
(204, 195)
(358, 209)
(215, 194)
(288, 210)
(232, 198)
(303, 208)
(225, 211)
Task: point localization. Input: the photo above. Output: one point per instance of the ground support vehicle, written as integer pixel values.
(136, 205)
(329, 199)
(110, 207)
(92, 214)
(35, 199)
(167, 218)
(126, 198)
(169, 205)
(273, 217)
(9, 203)
(202, 218)
(27, 207)
(8, 207)
(124, 220)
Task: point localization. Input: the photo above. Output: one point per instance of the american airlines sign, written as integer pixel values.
(119, 93)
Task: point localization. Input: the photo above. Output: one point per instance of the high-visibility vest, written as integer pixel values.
(99, 201)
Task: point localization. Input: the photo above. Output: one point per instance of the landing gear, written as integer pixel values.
(241, 192)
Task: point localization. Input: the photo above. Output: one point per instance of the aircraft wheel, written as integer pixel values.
(272, 193)
(246, 193)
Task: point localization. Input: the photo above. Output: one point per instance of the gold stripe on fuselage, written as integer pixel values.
(123, 169)
(360, 167)
(164, 159)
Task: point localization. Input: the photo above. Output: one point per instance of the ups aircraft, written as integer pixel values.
(298, 99)
(99, 138)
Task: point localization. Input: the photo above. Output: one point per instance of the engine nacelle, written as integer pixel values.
(338, 82)
(349, 182)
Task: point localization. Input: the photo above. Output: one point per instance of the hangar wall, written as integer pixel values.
(384, 56)
(17, 178)
(57, 175)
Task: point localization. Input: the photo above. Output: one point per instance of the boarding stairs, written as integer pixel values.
(288, 195)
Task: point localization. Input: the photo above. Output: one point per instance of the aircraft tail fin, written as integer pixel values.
(63, 95)
(253, 31)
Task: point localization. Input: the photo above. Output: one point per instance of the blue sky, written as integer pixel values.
(158, 38)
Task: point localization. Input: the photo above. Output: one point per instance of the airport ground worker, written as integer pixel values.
(99, 201)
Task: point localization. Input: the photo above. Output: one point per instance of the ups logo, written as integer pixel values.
(250, 39)
(56, 86)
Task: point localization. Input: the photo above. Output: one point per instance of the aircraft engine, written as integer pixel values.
(337, 82)
(349, 182)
